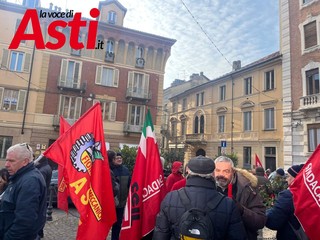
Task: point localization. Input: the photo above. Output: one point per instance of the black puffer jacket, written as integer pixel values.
(226, 217)
(23, 206)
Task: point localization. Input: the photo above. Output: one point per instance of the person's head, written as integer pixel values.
(4, 178)
(268, 171)
(201, 166)
(177, 167)
(111, 156)
(280, 172)
(118, 159)
(259, 171)
(224, 171)
(293, 172)
(18, 156)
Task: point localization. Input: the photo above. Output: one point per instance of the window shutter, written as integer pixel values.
(78, 107)
(77, 74)
(63, 72)
(27, 62)
(112, 111)
(1, 96)
(130, 80)
(98, 74)
(116, 78)
(310, 34)
(146, 84)
(21, 100)
(4, 61)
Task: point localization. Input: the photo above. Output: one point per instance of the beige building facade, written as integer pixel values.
(240, 113)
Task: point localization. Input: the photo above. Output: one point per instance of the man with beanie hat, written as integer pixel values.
(281, 216)
(200, 191)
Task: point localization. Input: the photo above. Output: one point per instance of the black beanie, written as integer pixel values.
(295, 169)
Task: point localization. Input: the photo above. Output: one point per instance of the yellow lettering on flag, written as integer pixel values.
(62, 185)
(86, 160)
(78, 185)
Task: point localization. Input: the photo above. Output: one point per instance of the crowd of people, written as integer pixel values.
(229, 197)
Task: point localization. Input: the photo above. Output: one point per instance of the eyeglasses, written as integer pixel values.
(27, 146)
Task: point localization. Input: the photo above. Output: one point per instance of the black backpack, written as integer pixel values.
(195, 223)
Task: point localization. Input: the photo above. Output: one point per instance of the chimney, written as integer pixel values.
(56, 8)
(236, 65)
(51, 6)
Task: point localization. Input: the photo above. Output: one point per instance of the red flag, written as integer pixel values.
(81, 150)
(147, 187)
(259, 164)
(306, 195)
(63, 191)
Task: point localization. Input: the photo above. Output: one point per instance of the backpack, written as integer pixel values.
(195, 223)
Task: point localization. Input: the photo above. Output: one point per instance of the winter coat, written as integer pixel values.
(23, 206)
(45, 170)
(175, 175)
(122, 174)
(226, 218)
(244, 193)
(281, 214)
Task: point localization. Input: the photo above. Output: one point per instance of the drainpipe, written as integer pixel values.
(232, 123)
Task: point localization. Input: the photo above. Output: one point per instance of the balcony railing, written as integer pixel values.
(196, 138)
(310, 101)
(71, 85)
(129, 128)
(138, 93)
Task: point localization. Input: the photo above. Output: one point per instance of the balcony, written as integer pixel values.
(129, 128)
(310, 102)
(109, 57)
(72, 85)
(164, 129)
(196, 138)
(138, 93)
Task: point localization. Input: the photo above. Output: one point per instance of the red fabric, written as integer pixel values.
(81, 151)
(180, 184)
(62, 185)
(306, 195)
(175, 176)
(230, 190)
(147, 188)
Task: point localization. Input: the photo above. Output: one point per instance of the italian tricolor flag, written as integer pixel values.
(147, 187)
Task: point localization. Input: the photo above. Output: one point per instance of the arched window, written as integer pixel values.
(110, 46)
(199, 123)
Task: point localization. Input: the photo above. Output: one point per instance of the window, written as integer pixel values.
(310, 34)
(70, 107)
(16, 61)
(140, 52)
(112, 17)
(221, 123)
(174, 128)
(174, 107)
(199, 124)
(312, 78)
(313, 136)
(110, 46)
(306, 1)
(108, 109)
(247, 121)
(5, 143)
(12, 100)
(222, 93)
(269, 119)
(16, 28)
(77, 52)
(269, 80)
(247, 157)
(107, 76)
(248, 86)
(70, 73)
(183, 127)
(200, 99)
(136, 114)
(138, 85)
(184, 104)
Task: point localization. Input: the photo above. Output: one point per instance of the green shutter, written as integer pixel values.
(112, 111)
(4, 61)
(27, 62)
(98, 74)
(21, 100)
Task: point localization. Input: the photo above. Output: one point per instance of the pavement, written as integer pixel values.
(64, 227)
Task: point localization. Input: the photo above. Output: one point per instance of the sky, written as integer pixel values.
(209, 34)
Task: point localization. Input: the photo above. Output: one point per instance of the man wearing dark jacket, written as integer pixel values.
(200, 190)
(240, 185)
(23, 206)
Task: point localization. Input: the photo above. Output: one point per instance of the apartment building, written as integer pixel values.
(300, 48)
(125, 74)
(239, 112)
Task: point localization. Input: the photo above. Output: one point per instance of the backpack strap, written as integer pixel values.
(210, 205)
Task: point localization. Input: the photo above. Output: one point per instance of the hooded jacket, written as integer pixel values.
(23, 206)
(175, 175)
(244, 193)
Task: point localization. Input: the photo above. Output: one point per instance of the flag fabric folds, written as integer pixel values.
(306, 195)
(62, 184)
(81, 151)
(259, 164)
(147, 187)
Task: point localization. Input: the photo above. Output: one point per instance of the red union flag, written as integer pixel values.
(147, 188)
(63, 191)
(81, 151)
(258, 162)
(306, 195)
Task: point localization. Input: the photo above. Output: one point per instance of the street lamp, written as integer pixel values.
(49, 209)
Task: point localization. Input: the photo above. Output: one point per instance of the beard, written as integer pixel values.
(222, 181)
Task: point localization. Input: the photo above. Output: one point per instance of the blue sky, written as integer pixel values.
(243, 30)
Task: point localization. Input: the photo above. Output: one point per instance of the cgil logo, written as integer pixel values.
(74, 25)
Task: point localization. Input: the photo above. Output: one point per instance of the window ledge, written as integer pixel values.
(311, 49)
(270, 130)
